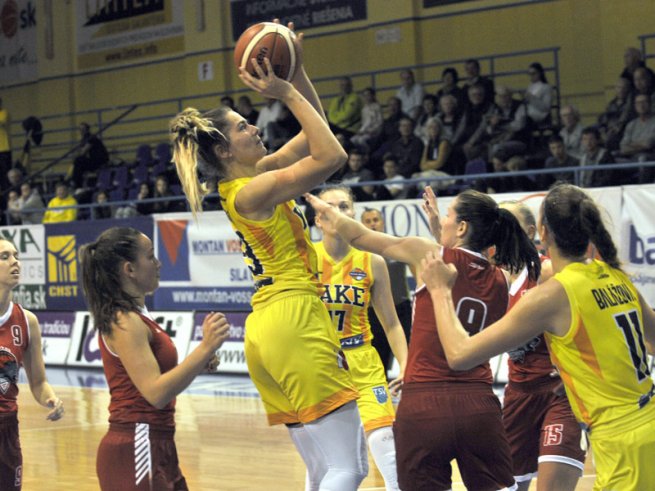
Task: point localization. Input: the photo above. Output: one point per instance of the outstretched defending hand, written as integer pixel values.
(326, 213)
(57, 407)
(435, 273)
(431, 210)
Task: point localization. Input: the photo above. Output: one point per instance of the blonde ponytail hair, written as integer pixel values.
(194, 137)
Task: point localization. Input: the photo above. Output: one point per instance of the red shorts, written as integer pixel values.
(139, 457)
(540, 427)
(11, 458)
(439, 422)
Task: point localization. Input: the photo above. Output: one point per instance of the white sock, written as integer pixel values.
(383, 450)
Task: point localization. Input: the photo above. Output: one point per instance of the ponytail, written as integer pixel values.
(101, 262)
(514, 249)
(194, 137)
(574, 221)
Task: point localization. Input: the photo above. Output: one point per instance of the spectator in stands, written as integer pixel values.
(429, 112)
(284, 128)
(407, 149)
(449, 115)
(31, 204)
(449, 81)
(13, 208)
(619, 111)
(144, 193)
(472, 69)
(91, 156)
(62, 198)
(227, 101)
(538, 96)
(356, 172)
(643, 84)
(638, 143)
(571, 131)
(594, 155)
(507, 126)
(5, 144)
(345, 110)
(268, 114)
(390, 125)
(163, 190)
(632, 60)
(395, 182)
(435, 161)
(558, 158)
(410, 94)
(102, 210)
(14, 178)
(506, 184)
(472, 135)
(246, 109)
(372, 120)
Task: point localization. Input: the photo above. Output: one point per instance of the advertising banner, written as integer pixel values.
(303, 13)
(56, 334)
(202, 264)
(62, 245)
(117, 32)
(85, 350)
(30, 243)
(18, 55)
(231, 354)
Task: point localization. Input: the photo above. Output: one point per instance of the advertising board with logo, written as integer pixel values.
(18, 53)
(29, 241)
(231, 354)
(119, 32)
(85, 350)
(202, 264)
(62, 246)
(56, 335)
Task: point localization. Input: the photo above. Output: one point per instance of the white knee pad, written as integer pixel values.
(383, 450)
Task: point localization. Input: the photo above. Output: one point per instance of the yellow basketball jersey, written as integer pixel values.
(347, 293)
(602, 359)
(278, 251)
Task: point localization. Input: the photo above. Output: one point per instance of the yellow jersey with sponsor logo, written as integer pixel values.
(278, 250)
(602, 359)
(347, 293)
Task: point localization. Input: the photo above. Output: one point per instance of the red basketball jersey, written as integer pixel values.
(480, 295)
(14, 340)
(531, 361)
(127, 405)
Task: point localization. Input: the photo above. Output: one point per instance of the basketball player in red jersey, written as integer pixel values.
(140, 362)
(541, 428)
(20, 345)
(445, 415)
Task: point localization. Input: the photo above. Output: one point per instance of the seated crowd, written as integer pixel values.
(476, 127)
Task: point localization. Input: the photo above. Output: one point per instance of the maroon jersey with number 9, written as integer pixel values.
(14, 340)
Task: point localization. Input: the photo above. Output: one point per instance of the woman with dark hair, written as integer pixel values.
(294, 356)
(20, 346)
(538, 96)
(596, 325)
(140, 362)
(443, 414)
(449, 80)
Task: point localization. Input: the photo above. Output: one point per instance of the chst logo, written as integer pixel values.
(62, 266)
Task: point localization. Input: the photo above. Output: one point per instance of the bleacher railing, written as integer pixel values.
(148, 122)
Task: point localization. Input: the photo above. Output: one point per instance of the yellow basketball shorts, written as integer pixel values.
(295, 360)
(375, 406)
(624, 454)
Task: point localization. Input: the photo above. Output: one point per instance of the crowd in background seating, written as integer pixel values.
(462, 128)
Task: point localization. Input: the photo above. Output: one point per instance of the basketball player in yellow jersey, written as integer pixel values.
(597, 327)
(293, 354)
(353, 281)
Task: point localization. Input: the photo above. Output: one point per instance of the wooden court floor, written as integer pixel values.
(223, 443)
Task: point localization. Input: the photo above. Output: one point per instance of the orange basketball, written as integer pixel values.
(267, 40)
